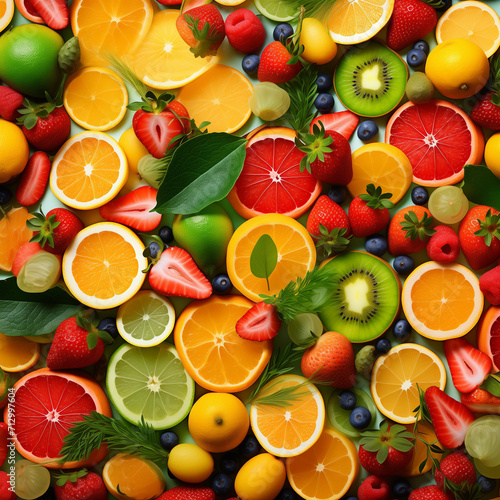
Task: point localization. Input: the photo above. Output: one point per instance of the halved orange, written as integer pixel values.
(13, 234)
(442, 301)
(215, 356)
(95, 98)
(103, 265)
(219, 96)
(296, 254)
(325, 471)
(88, 171)
(488, 335)
(17, 353)
(397, 375)
(288, 431)
(6, 13)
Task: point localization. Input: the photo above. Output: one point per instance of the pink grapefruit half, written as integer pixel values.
(488, 335)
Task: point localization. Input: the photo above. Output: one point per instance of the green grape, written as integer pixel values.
(268, 101)
(32, 480)
(41, 272)
(484, 470)
(305, 329)
(482, 440)
(448, 204)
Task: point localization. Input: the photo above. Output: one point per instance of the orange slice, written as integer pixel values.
(17, 354)
(215, 356)
(473, 20)
(13, 234)
(287, 431)
(327, 470)
(354, 22)
(6, 13)
(163, 59)
(113, 27)
(442, 301)
(95, 98)
(397, 375)
(296, 254)
(88, 171)
(103, 265)
(219, 96)
(426, 432)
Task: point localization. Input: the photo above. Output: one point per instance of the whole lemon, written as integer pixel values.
(28, 59)
(492, 154)
(218, 422)
(134, 150)
(458, 68)
(190, 463)
(14, 151)
(319, 46)
(260, 478)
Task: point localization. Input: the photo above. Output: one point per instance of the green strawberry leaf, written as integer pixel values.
(492, 384)
(264, 258)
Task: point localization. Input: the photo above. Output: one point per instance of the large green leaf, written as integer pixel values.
(481, 186)
(264, 258)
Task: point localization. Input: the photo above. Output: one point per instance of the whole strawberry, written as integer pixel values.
(56, 230)
(279, 63)
(432, 492)
(330, 361)
(457, 468)
(411, 20)
(410, 230)
(369, 213)
(387, 451)
(329, 225)
(202, 28)
(188, 493)
(80, 485)
(486, 111)
(479, 236)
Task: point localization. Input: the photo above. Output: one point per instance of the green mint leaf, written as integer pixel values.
(264, 258)
(492, 384)
(481, 186)
(92, 340)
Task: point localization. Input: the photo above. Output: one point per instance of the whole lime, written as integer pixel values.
(28, 59)
(205, 236)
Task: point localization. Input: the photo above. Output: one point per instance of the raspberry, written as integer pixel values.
(489, 283)
(374, 488)
(444, 245)
(245, 31)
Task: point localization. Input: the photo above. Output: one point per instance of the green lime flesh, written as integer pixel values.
(149, 382)
(276, 10)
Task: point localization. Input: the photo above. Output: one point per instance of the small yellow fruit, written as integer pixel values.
(260, 478)
(14, 151)
(492, 154)
(218, 422)
(457, 68)
(190, 463)
(319, 46)
(133, 148)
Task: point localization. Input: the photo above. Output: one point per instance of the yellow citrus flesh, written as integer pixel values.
(442, 301)
(219, 96)
(6, 13)
(95, 98)
(397, 376)
(296, 254)
(17, 353)
(212, 352)
(88, 171)
(492, 154)
(13, 234)
(103, 265)
(291, 430)
(163, 59)
(327, 470)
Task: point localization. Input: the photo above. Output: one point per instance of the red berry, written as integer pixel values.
(444, 245)
(489, 283)
(245, 31)
(374, 488)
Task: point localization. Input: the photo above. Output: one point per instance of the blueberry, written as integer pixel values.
(338, 194)
(347, 400)
(166, 235)
(249, 447)
(402, 330)
(324, 82)
(169, 439)
(401, 488)
(222, 484)
(282, 30)
(229, 463)
(324, 102)
(416, 58)
(419, 195)
(221, 284)
(154, 248)
(250, 64)
(421, 45)
(486, 484)
(5, 195)
(360, 417)
(403, 264)
(367, 130)
(287, 494)
(383, 346)
(376, 244)
(108, 325)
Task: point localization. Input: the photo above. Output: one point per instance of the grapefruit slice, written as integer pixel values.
(488, 336)
(46, 403)
(438, 138)
(271, 180)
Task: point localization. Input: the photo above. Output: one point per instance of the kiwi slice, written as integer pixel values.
(370, 79)
(367, 298)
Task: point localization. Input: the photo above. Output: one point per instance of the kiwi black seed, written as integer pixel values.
(370, 79)
(367, 298)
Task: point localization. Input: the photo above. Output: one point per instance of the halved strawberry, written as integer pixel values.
(468, 366)
(450, 418)
(34, 179)
(481, 401)
(176, 274)
(10, 101)
(259, 323)
(343, 122)
(134, 209)
(54, 12)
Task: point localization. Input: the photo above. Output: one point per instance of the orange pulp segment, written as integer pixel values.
(17, 353)
(13, 234)
(215, 356)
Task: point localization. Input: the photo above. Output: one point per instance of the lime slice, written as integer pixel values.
(276, 10)
(145, 320)
(339, 417)
(149, 382)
